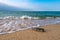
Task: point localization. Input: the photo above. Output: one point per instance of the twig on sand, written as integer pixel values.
(39, 29)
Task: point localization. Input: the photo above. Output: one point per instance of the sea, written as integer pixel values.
(9, 25)
(30, 13)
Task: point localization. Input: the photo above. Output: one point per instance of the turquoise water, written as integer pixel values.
(29, 13)
(13, 24)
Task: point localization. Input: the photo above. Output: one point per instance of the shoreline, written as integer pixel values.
(10, 25)
(52, 33)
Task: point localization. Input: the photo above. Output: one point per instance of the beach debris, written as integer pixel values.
(39, 29)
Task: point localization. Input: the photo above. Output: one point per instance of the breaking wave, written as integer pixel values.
(21, 17)
(12, 24)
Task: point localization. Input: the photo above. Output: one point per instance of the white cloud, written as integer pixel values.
(23, 4)
(8, 2)
(32, 6)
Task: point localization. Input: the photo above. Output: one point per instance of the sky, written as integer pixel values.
(34, 5)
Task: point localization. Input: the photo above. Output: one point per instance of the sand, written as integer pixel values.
(52, 33)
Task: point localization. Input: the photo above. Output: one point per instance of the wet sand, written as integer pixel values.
(52, 33)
